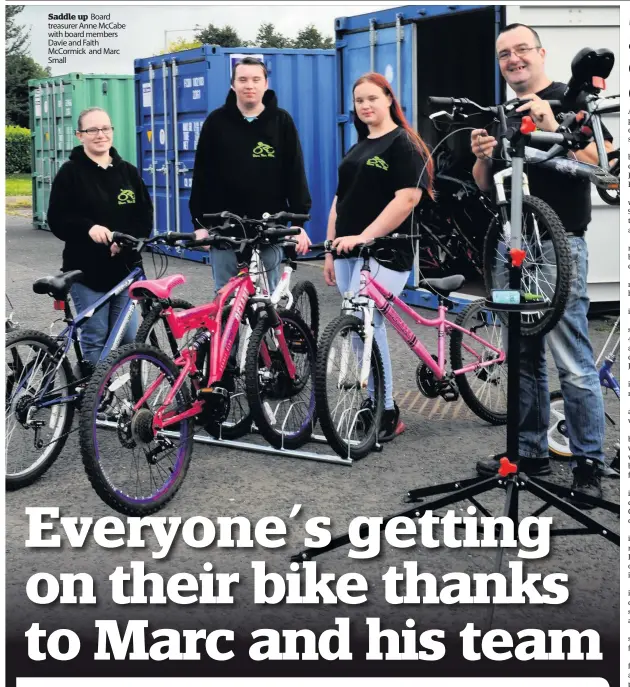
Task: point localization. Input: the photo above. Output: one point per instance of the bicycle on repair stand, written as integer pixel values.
(546, 270)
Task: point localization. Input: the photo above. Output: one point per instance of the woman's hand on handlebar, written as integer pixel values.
(202, 234)
(114, 249)
(100, 234)
(481, 144)
(302, 241)
(344, 244)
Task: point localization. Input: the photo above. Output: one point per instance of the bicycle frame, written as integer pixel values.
(371, 294)
(606, 378)
(70, 334)
(209, 317)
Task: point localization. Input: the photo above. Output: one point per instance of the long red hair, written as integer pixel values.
(399, 118)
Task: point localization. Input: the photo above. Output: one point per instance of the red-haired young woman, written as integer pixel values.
(381, 180)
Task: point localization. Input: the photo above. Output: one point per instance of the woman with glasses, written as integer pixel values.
(94, 194)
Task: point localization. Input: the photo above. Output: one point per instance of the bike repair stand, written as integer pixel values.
(508, 476)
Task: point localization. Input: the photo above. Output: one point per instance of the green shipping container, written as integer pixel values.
(55, 104)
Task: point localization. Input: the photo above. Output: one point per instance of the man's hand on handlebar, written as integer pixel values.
(540, 111)
(202, 234)
(482, 144)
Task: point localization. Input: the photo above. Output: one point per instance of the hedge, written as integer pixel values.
(18, 150)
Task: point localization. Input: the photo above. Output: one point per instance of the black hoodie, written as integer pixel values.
(248, 168)
(84, 194)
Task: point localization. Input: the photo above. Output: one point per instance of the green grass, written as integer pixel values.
(18, 185)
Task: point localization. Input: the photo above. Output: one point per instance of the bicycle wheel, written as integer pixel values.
(547, 268)
(133, 469)
(154, 329)
(239, 419)
(348, 415)
(282, 408)
(306, 305)
(484, 390)
(611, 196)
(34, 437)
(557, 433)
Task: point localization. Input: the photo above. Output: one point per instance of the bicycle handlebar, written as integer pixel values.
(266, 218)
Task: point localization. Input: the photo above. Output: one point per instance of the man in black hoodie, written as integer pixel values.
(94, 194)
(248, 161)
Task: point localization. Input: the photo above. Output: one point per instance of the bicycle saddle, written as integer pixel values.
(58, 285)
(160, 288)
(586, 65)
(443, 286)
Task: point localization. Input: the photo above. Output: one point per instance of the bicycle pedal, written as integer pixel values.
(604, 180)
(449, 394)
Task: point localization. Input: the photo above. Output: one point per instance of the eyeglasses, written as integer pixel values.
(519, 52)
(93, 131)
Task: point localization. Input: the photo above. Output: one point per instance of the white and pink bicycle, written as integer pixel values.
(349, 382)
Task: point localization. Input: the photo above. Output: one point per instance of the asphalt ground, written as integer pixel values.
(441, 444)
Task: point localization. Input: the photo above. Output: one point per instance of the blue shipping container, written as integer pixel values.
(176, 92)
(440, 50)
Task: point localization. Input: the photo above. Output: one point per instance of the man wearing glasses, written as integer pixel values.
(248, 161)
(522, 64)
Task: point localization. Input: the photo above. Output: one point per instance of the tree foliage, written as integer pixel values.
(268, 37)
(19, 69)
(179, 45)
(310, 38)
(16, 37)
(225, 36)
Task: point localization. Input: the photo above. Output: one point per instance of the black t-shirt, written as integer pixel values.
(569, 196)
(369, 176)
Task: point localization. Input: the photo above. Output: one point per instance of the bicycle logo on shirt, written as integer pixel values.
(126, 196)
(376, 161)
(263, 150)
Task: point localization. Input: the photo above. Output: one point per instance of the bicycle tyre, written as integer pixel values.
(611, 197)
(90, 405)
(43, 463)
(306, 290)
(356, 450)
(298, 332)
(466, 319)
(146, 335)
(533, 324)
(557, 438)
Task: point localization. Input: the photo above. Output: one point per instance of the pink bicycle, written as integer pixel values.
(134, 459)
(349, 382)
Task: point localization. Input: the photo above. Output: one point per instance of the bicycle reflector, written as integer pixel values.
(59, 305)
(527, 125)
(600, 83)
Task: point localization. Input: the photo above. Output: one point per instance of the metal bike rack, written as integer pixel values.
(255, 448)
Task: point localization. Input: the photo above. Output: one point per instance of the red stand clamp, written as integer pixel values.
(506, 468)
(527, 125)
(518, 256)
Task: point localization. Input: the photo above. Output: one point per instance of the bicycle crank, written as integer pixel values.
(431, 387)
